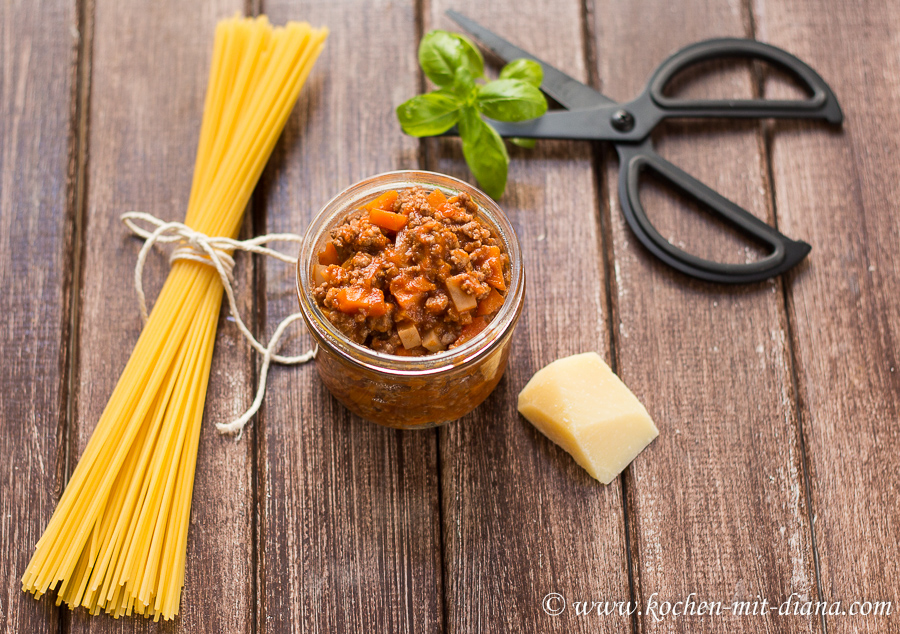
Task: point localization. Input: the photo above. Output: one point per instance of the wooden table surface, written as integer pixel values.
(776, 469)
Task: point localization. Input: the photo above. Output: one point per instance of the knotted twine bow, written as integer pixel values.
(214, 251)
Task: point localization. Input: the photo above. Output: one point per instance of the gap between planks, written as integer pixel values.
(785, 283)
(258, 215)
(257, 218)
(81, 99)
(81, 103)
(601, 155)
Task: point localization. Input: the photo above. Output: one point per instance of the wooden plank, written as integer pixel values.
(839, 191)
(148, 88)
(350, 533)
(717, 504)
(38, 163)
(521, 518)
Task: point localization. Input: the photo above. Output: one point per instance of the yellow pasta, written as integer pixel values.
(118, 537)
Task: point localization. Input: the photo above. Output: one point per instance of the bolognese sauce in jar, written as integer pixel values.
(411, 284)
(412, 273)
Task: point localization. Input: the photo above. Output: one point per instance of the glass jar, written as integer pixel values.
(409, 392)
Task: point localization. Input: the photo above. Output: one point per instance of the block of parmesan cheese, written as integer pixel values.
(578, 403)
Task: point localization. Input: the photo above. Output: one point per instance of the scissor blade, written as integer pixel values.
(568, 91)
(581, 125)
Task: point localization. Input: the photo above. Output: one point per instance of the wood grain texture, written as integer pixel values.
(467, 528)
(149, 76)
(840, 192)
(38, 56)
(521, 518)
(717, 504)
(350, 532)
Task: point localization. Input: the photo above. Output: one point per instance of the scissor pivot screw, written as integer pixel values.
(623, 121)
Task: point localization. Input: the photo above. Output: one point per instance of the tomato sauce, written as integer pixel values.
(412, 273)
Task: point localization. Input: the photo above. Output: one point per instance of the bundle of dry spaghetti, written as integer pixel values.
(118, 537)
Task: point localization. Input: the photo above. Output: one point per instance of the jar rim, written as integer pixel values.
(327, 334)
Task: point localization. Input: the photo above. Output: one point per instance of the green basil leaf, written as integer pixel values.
(525, 70)
(473, 58)
(511, 100)
(525, 143)
(484, 151)
(440, 54)
(430, 114)
(443, 56)
(464, 86)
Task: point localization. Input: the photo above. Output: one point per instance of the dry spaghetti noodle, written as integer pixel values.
(118, 537)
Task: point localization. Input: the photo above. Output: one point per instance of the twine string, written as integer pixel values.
(195, 246)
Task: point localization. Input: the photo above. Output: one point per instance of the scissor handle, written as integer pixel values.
(821, 105)
(634, 159)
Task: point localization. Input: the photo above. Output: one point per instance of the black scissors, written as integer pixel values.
(593, 116)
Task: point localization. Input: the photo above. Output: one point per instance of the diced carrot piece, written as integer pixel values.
(471, 331)
(411, 305)
(329, 255)
(387, 219)
(495, 278)
(420, 283)
(491, 303)
(486, 253)
(436, 199)
(406, 299)
(320, 273)
(492, 259)
(410, 292)
(385, 201)
(483, 254)
(356, 299)
(398, 257)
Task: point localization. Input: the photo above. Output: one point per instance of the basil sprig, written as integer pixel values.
(456, 66)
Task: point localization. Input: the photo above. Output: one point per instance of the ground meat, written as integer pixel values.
(357, 234)
(460, 259)
(413, 273)
(475, 231)
(437, 303)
